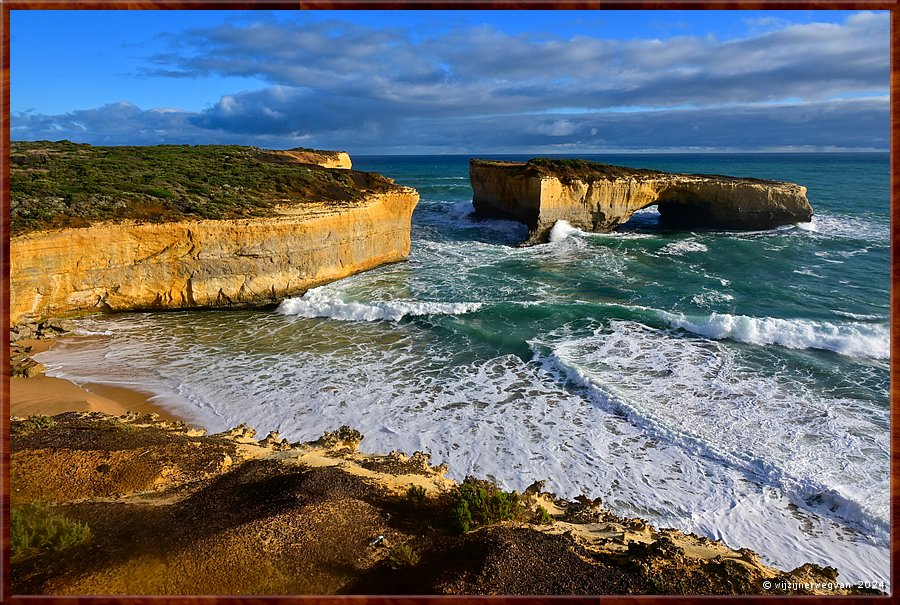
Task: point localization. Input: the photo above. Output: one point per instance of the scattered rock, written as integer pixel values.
(345, 437)
(536, 488)
(274, 442)
(21, 364)
(61, 326)
(242, 432)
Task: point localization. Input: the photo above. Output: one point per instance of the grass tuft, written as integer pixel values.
(402, 555)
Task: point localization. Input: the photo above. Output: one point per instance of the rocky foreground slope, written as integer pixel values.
(599, 197)
(140, 506)
(124, 228)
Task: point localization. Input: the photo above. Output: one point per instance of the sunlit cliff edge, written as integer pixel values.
(216, 226)
(598, 197)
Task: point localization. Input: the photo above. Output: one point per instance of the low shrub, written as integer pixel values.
(31, 424)
(402, 555)
(415, 497)
(35, 528)
(476, 503)
(541, 516)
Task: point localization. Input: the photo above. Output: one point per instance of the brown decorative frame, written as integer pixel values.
(7, 5)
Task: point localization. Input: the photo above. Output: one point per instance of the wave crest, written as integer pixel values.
(316, 303)
(851, 339)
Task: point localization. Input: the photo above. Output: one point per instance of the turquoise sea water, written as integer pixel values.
(731, 384)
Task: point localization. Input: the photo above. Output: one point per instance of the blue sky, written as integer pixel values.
(455, 81)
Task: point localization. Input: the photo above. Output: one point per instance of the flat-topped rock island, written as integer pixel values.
(599, 197)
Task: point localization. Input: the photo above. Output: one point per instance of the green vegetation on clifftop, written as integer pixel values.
(64, 184)
(584, 170)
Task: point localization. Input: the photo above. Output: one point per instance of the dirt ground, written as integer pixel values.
(173, 511)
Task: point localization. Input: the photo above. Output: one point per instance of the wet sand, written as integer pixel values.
(51, 396)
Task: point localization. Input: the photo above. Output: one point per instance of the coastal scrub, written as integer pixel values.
(35, 528)
(63, 184)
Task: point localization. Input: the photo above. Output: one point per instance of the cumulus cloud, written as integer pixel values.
(487, 66)
(344, 85)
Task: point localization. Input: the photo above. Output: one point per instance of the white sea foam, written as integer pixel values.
(695, 393)
(708, 298)
(562, 230)
(852, 339)
(501, 417)
(808, 272)
(317, 303)
(683, 247)
(861, 316)
(824, 224)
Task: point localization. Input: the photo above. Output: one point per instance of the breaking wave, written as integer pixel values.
(851, 339)
(316, 303)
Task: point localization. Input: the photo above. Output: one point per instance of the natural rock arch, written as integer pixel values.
(597, 197)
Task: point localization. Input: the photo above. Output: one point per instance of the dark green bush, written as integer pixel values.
(402, 555)
(541, 516)
(415, 497)
(476, 503)
(35, 528)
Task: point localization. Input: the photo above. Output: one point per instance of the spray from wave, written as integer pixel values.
(562, 230)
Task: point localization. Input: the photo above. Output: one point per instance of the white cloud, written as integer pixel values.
(336, 84)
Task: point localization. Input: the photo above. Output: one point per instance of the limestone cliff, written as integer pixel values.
(597, 197)
(178, 226)
(326, 159)
(205, 263)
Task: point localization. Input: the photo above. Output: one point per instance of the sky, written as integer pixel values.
(455, 82)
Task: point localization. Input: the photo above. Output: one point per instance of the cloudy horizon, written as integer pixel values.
(493, 82)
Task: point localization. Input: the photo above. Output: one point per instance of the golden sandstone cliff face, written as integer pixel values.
(206, 263)
(595, 197)
(326, 159)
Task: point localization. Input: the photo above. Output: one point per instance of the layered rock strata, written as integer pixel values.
(597, 197)
(326, 159)
(206, 263)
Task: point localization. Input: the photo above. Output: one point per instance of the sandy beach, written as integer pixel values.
(46, 395)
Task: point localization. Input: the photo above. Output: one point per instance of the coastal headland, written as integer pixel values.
(598, 197)
(155, 507)
(136, 228)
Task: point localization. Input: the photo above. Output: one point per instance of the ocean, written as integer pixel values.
(732, 384)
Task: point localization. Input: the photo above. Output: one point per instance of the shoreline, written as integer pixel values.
(47, 395)
(321, 517)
